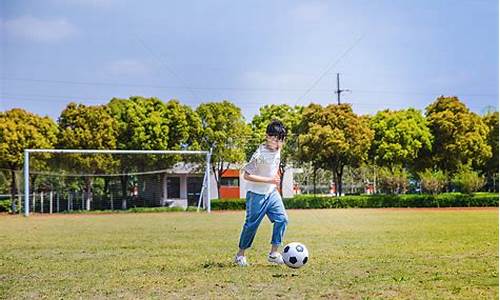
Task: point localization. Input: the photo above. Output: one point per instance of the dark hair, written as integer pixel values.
(277, 129)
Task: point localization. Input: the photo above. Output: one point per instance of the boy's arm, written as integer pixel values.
(256, 178)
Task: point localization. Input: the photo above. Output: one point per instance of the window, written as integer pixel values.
(173, 187)
(230, 181)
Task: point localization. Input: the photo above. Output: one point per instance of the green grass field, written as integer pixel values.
(354, 253)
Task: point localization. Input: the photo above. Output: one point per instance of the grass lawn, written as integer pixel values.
(354, 253)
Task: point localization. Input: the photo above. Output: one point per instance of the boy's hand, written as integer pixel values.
(275, 180)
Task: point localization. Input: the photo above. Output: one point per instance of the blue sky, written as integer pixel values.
(391, 54)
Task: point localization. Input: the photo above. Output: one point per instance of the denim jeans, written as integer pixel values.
(258, 205)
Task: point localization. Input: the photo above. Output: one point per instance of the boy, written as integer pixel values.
(262, 197)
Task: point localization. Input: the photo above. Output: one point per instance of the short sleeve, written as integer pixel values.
(251, 166)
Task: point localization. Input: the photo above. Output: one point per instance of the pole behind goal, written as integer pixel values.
(85, 151)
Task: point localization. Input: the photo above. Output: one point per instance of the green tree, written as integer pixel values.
(432, 181)
(335, 137)
(21, 130)
(307, 145)
(460, 136)
(490, 168)
(88, 127)
(151, 124)
(467, 180)
(399, 137)
(290, 117)
(393, 180)
(225, 132)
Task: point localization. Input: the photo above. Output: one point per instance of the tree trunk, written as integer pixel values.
(334, 180)
(314, 180)
(13, 191)
(124, 182)
(106, 185)
(88, 192)
(339, 180)
(217, 175)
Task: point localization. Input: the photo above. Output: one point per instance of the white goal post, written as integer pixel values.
(206, 178)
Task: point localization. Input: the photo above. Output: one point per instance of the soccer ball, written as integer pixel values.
(295, 255)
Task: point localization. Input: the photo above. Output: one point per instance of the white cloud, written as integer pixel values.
(39, 30)
(312, 11)
(128, 67)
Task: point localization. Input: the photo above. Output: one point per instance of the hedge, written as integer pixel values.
(5, 205)
(358, 201)
(374, 201)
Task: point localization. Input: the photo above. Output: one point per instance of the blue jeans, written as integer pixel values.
(258, 205)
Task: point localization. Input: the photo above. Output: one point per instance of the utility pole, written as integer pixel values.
(339, 91)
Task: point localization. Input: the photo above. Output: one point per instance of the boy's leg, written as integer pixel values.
(276, 213)
(256, 206)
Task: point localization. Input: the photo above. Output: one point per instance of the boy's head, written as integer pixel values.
(275, 134)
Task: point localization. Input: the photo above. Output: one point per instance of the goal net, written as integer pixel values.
(65, 180)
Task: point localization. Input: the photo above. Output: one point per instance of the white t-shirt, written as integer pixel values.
(264, 162)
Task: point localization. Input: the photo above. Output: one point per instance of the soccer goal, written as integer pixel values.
(65, 180)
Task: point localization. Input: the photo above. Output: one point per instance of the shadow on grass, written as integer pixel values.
(215, 264)
(285, 275)
(226, 264)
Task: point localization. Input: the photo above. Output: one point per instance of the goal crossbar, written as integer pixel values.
(27, 152)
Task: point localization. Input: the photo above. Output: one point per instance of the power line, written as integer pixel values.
(239, 88)
(331, 65)
(165, 65)
(48, 98)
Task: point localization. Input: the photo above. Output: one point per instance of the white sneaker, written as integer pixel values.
(276, 258)
(241, 261)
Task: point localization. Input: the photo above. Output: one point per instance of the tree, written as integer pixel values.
(467, 180)
(88, 127)
(393, 180)
(21, 130)
(307, 145)
(460, 136)
(151, 124)
(334, 137)
(321, 179)
(432, 181)
(225, 132)
(490, 167)
(290, 117)
(399, 137)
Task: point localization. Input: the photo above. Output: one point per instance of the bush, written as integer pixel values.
(393, 180)
(468, 181)
(133, 210)
(373, 201)
(432, 181)
(5, 205)
(228, 204)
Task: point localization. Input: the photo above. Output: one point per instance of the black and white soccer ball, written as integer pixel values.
(295, 255)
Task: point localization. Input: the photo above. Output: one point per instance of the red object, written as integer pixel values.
(229, 192)
(231, 173)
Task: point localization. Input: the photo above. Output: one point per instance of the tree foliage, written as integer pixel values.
(432, 181)
(467, 180)
(460, 136)
(334, 137)
(87, 127)
(399, 137)
(225, 131)
(21, 130)
(490, 168)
